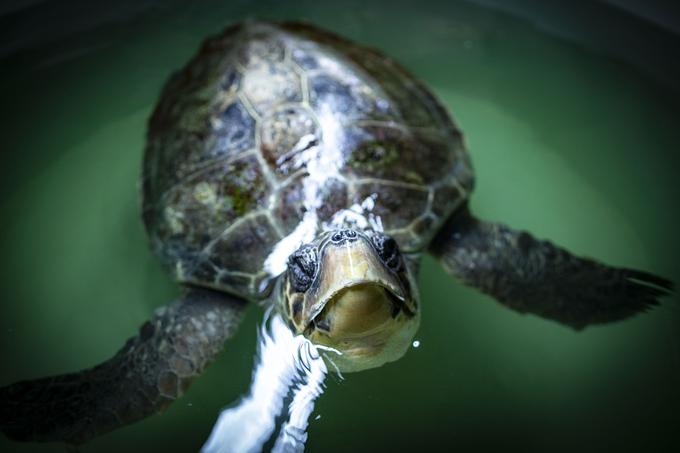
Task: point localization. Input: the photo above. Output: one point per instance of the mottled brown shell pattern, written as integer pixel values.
(263, 108)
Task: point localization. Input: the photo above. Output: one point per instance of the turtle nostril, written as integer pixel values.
(341, 236)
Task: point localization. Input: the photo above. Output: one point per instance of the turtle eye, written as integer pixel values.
(387, 249)
(302, 267)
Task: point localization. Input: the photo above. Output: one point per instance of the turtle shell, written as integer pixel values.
(273, 132)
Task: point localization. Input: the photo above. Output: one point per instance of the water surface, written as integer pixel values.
(566, 143)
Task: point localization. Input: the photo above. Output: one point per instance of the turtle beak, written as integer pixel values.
(353, 269)
(363, 309)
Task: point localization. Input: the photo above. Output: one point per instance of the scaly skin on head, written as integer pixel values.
(352, 291)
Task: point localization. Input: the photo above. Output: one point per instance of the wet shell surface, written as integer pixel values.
(275, 132)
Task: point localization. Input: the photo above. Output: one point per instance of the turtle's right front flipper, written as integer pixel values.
(534, 276)
(144, 377)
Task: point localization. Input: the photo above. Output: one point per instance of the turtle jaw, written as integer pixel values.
(354, 264)
(361, 308)
(367, 323)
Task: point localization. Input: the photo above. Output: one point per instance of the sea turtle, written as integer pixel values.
(287, 165)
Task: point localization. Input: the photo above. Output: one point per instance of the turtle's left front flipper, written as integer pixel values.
(534, 276)
(144, 377)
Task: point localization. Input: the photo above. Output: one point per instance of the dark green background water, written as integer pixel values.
(567, 143)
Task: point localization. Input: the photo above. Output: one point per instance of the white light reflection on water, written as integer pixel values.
(322, 163)
(287, 366)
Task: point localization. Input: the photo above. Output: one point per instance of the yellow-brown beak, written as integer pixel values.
(363, 309)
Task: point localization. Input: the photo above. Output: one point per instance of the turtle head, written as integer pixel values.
(353, 291)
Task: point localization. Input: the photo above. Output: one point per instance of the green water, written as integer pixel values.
(566, 143)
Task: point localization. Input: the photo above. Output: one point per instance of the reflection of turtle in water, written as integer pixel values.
(284, 150)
